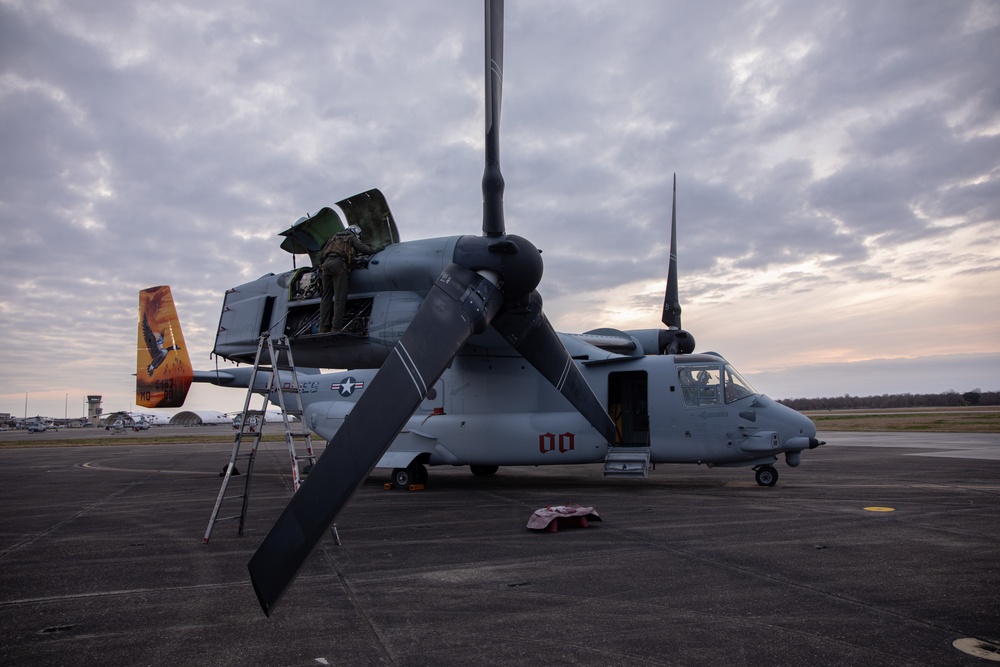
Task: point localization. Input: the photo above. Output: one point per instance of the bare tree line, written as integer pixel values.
(848, 402)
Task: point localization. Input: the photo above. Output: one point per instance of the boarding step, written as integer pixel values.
(627, 462)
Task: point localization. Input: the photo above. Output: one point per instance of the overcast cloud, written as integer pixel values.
(838, 170)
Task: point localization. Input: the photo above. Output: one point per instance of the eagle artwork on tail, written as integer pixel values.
(154, 344)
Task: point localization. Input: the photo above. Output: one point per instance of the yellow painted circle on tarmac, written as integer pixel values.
(978, 648)
(880, 509)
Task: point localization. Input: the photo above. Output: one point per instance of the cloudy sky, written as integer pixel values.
(838, 169)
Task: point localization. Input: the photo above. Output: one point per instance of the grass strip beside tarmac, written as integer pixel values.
(955, 420)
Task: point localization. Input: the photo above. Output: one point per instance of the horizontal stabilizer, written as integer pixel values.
(230, 377)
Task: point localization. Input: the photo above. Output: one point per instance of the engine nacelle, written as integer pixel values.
(663, 341)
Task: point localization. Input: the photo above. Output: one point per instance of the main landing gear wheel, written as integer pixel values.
(415, 473)
(766, 475)
(484, 471)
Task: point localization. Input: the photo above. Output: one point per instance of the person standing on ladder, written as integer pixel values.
(335, 263)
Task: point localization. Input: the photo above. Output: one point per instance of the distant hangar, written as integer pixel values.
(200, 418)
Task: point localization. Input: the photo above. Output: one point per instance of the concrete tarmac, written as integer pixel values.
(879, 549)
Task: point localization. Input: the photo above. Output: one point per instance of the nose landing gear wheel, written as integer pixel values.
(766, 475)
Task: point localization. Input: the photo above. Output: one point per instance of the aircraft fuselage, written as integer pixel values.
(497, 411)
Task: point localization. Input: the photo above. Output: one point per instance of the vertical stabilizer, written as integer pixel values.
(163, 371)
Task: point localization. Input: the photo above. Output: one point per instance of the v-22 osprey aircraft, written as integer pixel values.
(453, 362)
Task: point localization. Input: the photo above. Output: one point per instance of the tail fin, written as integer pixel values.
(163, 372)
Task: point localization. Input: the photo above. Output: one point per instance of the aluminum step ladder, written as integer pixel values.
(284, 384)
(282, 381)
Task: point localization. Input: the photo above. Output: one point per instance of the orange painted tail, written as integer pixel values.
(163, 371)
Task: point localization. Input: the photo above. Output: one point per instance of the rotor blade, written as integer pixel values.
(526, 328)
(493, 185)
(671, 300)
(460, 304)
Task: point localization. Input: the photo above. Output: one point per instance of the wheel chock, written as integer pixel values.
(389, 486)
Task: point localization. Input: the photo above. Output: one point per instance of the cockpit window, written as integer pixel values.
(701, 384)
(709, 384)
(736, 386)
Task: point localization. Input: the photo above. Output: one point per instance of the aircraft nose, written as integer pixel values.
(807, 428)
(801, 436)
(799, 424)
(799, 431)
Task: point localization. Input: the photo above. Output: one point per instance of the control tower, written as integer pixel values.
(94, 409)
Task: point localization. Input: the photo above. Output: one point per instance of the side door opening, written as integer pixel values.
(628, 405)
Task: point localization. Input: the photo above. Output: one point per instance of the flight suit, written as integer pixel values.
(336, 273)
